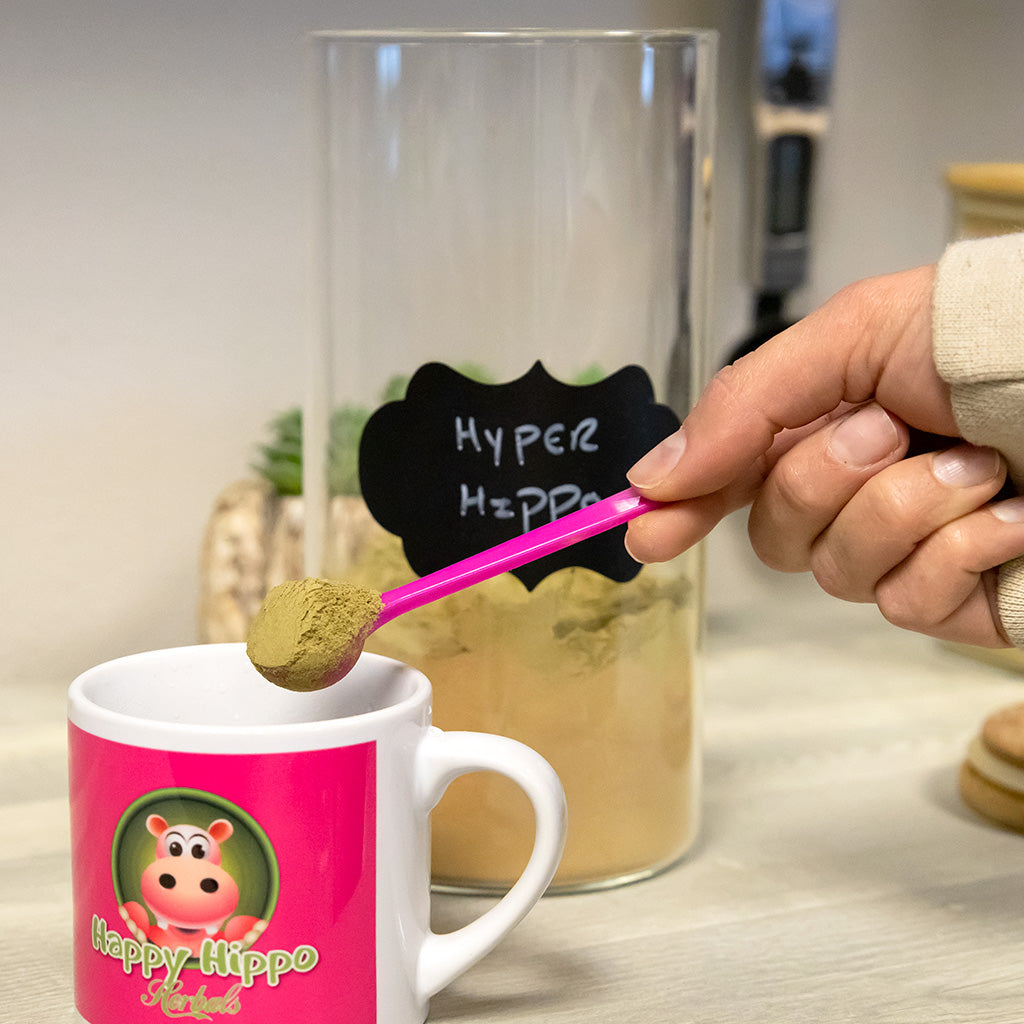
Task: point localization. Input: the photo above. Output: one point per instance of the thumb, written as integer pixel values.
(872, 340)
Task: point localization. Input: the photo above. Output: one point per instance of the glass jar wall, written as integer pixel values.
(511, 259)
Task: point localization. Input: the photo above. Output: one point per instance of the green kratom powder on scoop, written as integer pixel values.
(305, 630)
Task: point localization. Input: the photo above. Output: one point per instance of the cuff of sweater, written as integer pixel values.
(978, 329)
(1011, 600)
(978, 311)
(992, 413)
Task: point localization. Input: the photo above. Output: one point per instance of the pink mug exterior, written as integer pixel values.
(244, 851)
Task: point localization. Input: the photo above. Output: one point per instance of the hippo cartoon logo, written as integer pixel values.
(189, 867)
(190, 895)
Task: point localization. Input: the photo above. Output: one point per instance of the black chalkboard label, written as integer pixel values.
(458, 466)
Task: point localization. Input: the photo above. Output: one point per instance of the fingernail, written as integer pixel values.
(965, 465)
(864, 437)
(629, 550)
(658, 462)
(1010, 511)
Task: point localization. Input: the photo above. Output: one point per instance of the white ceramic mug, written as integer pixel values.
(240, 849)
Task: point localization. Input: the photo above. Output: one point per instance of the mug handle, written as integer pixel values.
(441, 758)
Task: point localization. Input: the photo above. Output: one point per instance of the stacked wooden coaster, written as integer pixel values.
(992, 775)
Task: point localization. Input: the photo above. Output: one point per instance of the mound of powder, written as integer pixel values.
(309, 633)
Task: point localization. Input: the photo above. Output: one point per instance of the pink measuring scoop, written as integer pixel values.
(544, 540)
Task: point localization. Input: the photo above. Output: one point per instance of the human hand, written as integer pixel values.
(786, 430)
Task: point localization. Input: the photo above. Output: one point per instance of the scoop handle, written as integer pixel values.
(571, 529)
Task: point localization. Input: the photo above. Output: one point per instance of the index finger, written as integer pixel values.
(872, 340)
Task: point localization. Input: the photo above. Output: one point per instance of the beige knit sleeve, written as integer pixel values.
(978, 326)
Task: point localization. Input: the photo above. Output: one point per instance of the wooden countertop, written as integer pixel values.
(837, 878)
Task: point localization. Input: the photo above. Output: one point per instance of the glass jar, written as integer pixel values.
(987, 198)
(511, 259)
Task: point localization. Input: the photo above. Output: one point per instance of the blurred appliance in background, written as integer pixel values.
(795, 55)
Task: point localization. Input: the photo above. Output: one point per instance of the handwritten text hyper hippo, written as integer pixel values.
(519, 444)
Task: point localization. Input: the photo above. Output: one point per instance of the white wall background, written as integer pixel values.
(152, 253)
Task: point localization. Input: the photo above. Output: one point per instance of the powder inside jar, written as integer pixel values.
(308, 633)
